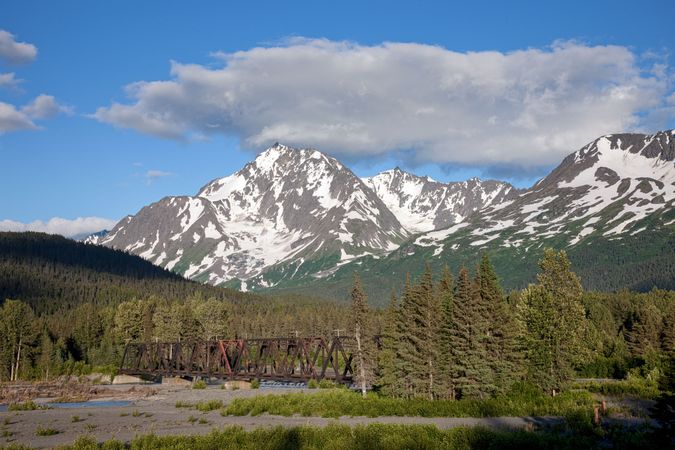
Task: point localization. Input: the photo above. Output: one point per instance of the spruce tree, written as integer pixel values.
(430, 318)
(406, 359)
(501, 336)
(445, 289)
(471, 371)
(553, 320)
(389, 379)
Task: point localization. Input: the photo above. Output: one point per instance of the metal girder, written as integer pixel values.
(280, 359)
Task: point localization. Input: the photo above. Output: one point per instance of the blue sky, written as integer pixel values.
(85, 157)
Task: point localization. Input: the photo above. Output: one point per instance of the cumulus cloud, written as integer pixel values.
(15, 52)
(418, 102)
(12, 119)
(9, 81)
(44, 107)
(64, 227)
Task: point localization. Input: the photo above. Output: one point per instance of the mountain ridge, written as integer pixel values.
(296, 216)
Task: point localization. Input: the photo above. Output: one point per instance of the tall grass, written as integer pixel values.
(374, 436)
(523, 401)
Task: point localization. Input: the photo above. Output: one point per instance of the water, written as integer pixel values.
(92, 404)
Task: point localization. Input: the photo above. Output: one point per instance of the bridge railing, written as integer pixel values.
(283, 359)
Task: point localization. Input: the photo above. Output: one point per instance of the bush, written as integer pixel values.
(40, 431)
(633, 386)
(211, 405)
(182, 404)
(312, 384)
(26, 406)
(255, 384)
(199, 384)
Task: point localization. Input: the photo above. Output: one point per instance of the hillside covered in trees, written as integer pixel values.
(446, 335)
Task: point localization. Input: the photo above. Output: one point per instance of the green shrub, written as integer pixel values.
(76, 419)
(40, 431)
(182, 404)
(255, 384)
(312, 384)
(199, 384)
(26, 406)
(327, 384)
(210, 405)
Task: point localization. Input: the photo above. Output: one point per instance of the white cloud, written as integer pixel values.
(15, 52)
(424, 103)
(8, 81)
(44, 107)
(64, 227)
(13, 120)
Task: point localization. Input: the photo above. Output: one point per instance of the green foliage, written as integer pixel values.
(76, 419)
(210, 405)
(553, 320)
(521, 401)
(199, 384)
(632, 386)
(312, 384)
(25, 406)
(46, 431)
(255, 384)
(183, 404)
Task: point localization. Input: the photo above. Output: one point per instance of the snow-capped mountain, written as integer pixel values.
(422, 204)
(607, 187)
(296, 217)
(290, 208)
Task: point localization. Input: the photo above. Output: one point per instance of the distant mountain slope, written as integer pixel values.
(290, 208)
(51, 272)
(422, 204)
(296, 219)
(610, 205)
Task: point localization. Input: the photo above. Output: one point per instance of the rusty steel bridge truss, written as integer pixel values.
(279, 359)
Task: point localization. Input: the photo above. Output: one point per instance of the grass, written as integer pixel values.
(7, 434)
(41, 431)
(210, 405)
(25, 406)
(524, 401)
(136, 413)
(199, 384)
(124, 414)
(76, 419)
(90, 427)
(192, 419)
(182, 404)
(203, 421)
(379, 436)
(634, 387)
(312, 384)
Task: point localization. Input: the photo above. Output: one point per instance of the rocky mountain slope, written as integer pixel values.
(422, 204)
(610, 205)
(298, 211)
(297, 219)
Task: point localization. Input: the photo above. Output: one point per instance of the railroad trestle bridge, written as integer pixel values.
(279, 359)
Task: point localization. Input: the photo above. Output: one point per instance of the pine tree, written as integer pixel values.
(501, 340)
(445, 387)
(406, 352)
(389, 379)
(553, 320)
(471, 371)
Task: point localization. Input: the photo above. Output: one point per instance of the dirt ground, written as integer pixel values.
(153, 410)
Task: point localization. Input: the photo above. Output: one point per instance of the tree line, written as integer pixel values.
(464, 338)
